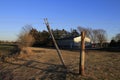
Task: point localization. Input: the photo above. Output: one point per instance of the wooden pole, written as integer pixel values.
(82, 54)
(57, 48)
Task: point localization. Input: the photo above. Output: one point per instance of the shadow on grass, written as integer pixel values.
(48, 71)
(9, 52)
(111, 49)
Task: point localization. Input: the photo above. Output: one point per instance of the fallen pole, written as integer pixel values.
(56, 46)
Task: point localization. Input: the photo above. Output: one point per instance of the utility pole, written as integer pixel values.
(82, 54)
(54, 41)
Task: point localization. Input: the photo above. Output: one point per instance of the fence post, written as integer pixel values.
(82, 54)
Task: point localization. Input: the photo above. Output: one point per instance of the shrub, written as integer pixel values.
(25, 39)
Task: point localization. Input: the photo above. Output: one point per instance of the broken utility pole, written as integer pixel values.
(57, 48)
(82, 54)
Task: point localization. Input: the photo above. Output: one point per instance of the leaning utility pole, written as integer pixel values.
(82, 54)
(57, 48)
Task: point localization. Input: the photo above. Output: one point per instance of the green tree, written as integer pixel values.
(74, 33)
(117, 40)
(58, 34)
(41, 38)
(113, 43)
(36, 34)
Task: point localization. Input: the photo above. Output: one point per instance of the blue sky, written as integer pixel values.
(67, 14)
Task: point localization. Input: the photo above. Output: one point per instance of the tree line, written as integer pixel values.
(30, 36)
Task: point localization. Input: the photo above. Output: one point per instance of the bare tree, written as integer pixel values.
(96, 35)
(88, 32)
(101, 36)
(83, 29)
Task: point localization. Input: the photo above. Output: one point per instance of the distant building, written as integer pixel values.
(72, 42)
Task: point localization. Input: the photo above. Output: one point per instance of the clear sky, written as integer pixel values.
(67, 14)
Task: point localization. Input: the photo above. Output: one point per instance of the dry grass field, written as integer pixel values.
(44, 64)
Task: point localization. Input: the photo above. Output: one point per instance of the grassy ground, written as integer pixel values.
(44, 64)
(5, 49)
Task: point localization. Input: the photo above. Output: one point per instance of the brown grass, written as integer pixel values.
(44, 64)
